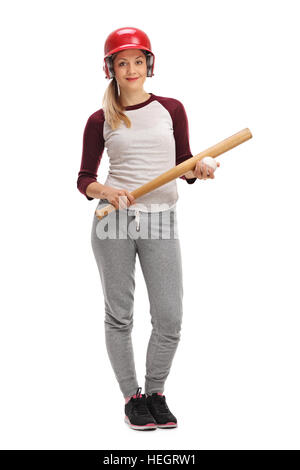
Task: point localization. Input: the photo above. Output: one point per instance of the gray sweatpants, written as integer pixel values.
(154, 238)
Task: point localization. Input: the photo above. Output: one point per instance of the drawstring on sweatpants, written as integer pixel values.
(137, 219)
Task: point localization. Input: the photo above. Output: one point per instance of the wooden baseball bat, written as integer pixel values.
(182, 168)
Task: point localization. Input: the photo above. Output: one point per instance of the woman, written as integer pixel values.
(145, 135)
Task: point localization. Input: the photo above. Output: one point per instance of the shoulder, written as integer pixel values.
(173, 105)
(166, 100)
(97, 117)
(94, 124)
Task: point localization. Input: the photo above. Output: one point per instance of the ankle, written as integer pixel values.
(127, 399)
(138, 394)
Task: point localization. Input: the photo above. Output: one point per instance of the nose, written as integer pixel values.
(130, 68)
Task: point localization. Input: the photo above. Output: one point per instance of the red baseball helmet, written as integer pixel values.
(127, 38)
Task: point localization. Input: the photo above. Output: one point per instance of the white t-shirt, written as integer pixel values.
(157, 140)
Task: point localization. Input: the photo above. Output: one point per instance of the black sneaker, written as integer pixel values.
(158, 407)
(137, 415)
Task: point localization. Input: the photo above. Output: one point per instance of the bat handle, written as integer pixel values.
(100, 213)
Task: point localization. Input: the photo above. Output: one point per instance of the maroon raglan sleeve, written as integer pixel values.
(92, 151)
(181, 135)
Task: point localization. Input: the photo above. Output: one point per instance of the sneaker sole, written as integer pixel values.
(146, 427)
(167, 425)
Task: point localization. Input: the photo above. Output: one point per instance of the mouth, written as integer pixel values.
(132, 79)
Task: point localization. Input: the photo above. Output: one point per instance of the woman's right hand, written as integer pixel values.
(113, 195)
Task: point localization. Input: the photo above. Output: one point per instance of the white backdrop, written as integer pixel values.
(234, 382)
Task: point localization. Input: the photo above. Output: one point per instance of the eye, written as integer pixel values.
(125, 62)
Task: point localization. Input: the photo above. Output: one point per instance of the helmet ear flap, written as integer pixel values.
(149, 62)
(110, 66)
(149, 65)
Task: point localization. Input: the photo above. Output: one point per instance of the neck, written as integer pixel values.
(132, 98)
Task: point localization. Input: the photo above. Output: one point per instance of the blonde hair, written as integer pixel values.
(112, 107)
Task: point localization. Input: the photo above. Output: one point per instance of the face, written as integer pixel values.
(130, 63)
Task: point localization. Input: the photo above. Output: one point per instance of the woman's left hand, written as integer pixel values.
(203, 171)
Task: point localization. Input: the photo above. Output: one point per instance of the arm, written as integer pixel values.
(181, 135)
(93, 146)
(96, 190)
